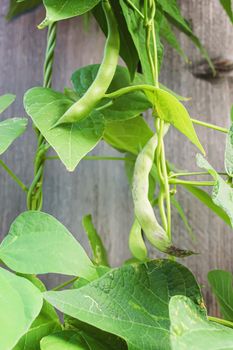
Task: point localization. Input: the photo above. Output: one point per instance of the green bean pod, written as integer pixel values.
(144, 212)
(99, 252)
(83, 107)
(136, 243)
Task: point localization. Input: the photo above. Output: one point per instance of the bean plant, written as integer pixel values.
(144, 304)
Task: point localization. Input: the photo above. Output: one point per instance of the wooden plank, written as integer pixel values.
(211, 102)
(100, 188)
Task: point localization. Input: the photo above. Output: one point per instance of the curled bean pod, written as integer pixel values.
(144, 212)
(82, 108)
(136, 243)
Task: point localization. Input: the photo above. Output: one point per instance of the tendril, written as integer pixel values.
(35, 192)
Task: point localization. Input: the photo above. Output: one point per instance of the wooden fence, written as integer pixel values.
(100, 188)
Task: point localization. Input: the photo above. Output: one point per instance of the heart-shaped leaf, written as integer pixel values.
(10, 130)
(20, 304)
(222, 286)
(38, 243)
(72, 141)
(190, 329)
(57, 10)
(131, 302)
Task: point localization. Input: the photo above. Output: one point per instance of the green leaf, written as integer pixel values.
(173, 14)
(127, 48)
(136, 242)
(222, 193)
(110, 341)
(227, 5)
(125, 107)
(206, 199)
(58, 10)
(17, 8)
(138, 32)
(70, 340)
(46, 323)
(71, 142)
(99, 252)
(129, 135)
(167, 33)
(221, 285)
(190, 329)
(71, 94)
(169, 109)
(38, 243)
(131, 302)
(6, 101)
(229, 152)
(10, 130)
(20, 303)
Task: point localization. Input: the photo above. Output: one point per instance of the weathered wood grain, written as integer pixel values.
(100, 188)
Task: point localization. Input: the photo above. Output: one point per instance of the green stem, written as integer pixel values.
(31, 201)
(129, 89)
(193, 174)
(221, 321)
(13, 176)
(162, 209)
(150, 58)
(35, 193)
(97, 158)
(65, 284)
(194, 183)
(167, 190)
(155, 52)
(159, 128)
(109, 104)
(135, 8)
(210, 126)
